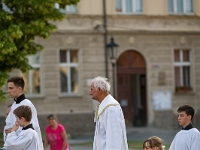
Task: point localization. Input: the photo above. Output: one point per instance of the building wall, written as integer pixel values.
(196, 7)
(155, 7)
(153, 34)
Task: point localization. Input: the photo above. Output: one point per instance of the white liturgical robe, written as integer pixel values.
(186, 140)
(26, 140)
(110, 130)
(11, 119)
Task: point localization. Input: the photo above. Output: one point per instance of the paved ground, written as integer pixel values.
(133, 133)
(142, 133)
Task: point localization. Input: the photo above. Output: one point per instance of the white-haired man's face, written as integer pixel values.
(94, 92)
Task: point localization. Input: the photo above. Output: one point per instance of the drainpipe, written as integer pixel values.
(105, 37)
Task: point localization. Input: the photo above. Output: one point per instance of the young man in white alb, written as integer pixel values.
(189, 137)
(15, 90)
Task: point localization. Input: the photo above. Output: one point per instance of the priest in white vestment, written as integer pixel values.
(189, 137)
(110, 130)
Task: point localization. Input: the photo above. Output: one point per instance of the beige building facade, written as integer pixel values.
(157, 67)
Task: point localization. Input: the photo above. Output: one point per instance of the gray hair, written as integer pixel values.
(102, 83)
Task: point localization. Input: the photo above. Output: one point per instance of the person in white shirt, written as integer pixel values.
(110, 130)
(28, 138)
(189, 137)
(15, 90)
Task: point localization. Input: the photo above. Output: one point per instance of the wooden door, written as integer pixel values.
(124, 96)
(131, 88)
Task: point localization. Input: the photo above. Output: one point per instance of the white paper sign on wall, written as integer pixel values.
(162, 100)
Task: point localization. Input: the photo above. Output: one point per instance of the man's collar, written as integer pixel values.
(188, 127)
(107, 101)
(20, 98)
(30, 126)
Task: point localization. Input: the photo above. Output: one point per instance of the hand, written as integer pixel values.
(8, 131)
(15, 127)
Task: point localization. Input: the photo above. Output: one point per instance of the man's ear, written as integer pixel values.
(19, 89)
(22, 118)
(190, 117)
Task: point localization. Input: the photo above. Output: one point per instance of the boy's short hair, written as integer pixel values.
(18, 81)
(189, 110)
(23, 111)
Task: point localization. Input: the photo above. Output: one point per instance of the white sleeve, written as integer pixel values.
(35, 122)
(10, 120)
(14, 142)
(36, 127)
(195, 141)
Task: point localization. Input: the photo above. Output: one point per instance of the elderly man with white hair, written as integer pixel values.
(110, 130)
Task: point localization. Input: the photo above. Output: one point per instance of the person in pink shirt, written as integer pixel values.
(55, 135)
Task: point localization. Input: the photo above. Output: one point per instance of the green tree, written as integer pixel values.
(21, 21)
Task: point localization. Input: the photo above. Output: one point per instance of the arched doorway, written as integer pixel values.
(131, 87)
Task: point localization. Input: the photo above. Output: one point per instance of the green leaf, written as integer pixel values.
(19, 25)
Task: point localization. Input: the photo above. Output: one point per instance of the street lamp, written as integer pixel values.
(112, 52)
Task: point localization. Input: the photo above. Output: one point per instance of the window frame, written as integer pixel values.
(69, 65)
(30, 76)
(134, 8)
(184, 7)
(67, 9)
(181, 64)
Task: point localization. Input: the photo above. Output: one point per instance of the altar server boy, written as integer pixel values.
(28, 138)
(189, 137)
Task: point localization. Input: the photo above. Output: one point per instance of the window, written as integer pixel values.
(129, 6)
(180, 6)
(69, 71)
(68, 9)
(32, 77)
(182, 68)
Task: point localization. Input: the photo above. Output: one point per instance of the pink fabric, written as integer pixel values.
(55, 138)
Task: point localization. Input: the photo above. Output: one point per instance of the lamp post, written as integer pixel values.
(112, 52)
(105, 36)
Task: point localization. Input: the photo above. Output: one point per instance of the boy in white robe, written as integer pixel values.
(189, 137)
(28, 138)
(15, 90)
(110, 130)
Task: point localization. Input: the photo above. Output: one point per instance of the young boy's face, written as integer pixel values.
(20, 121)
